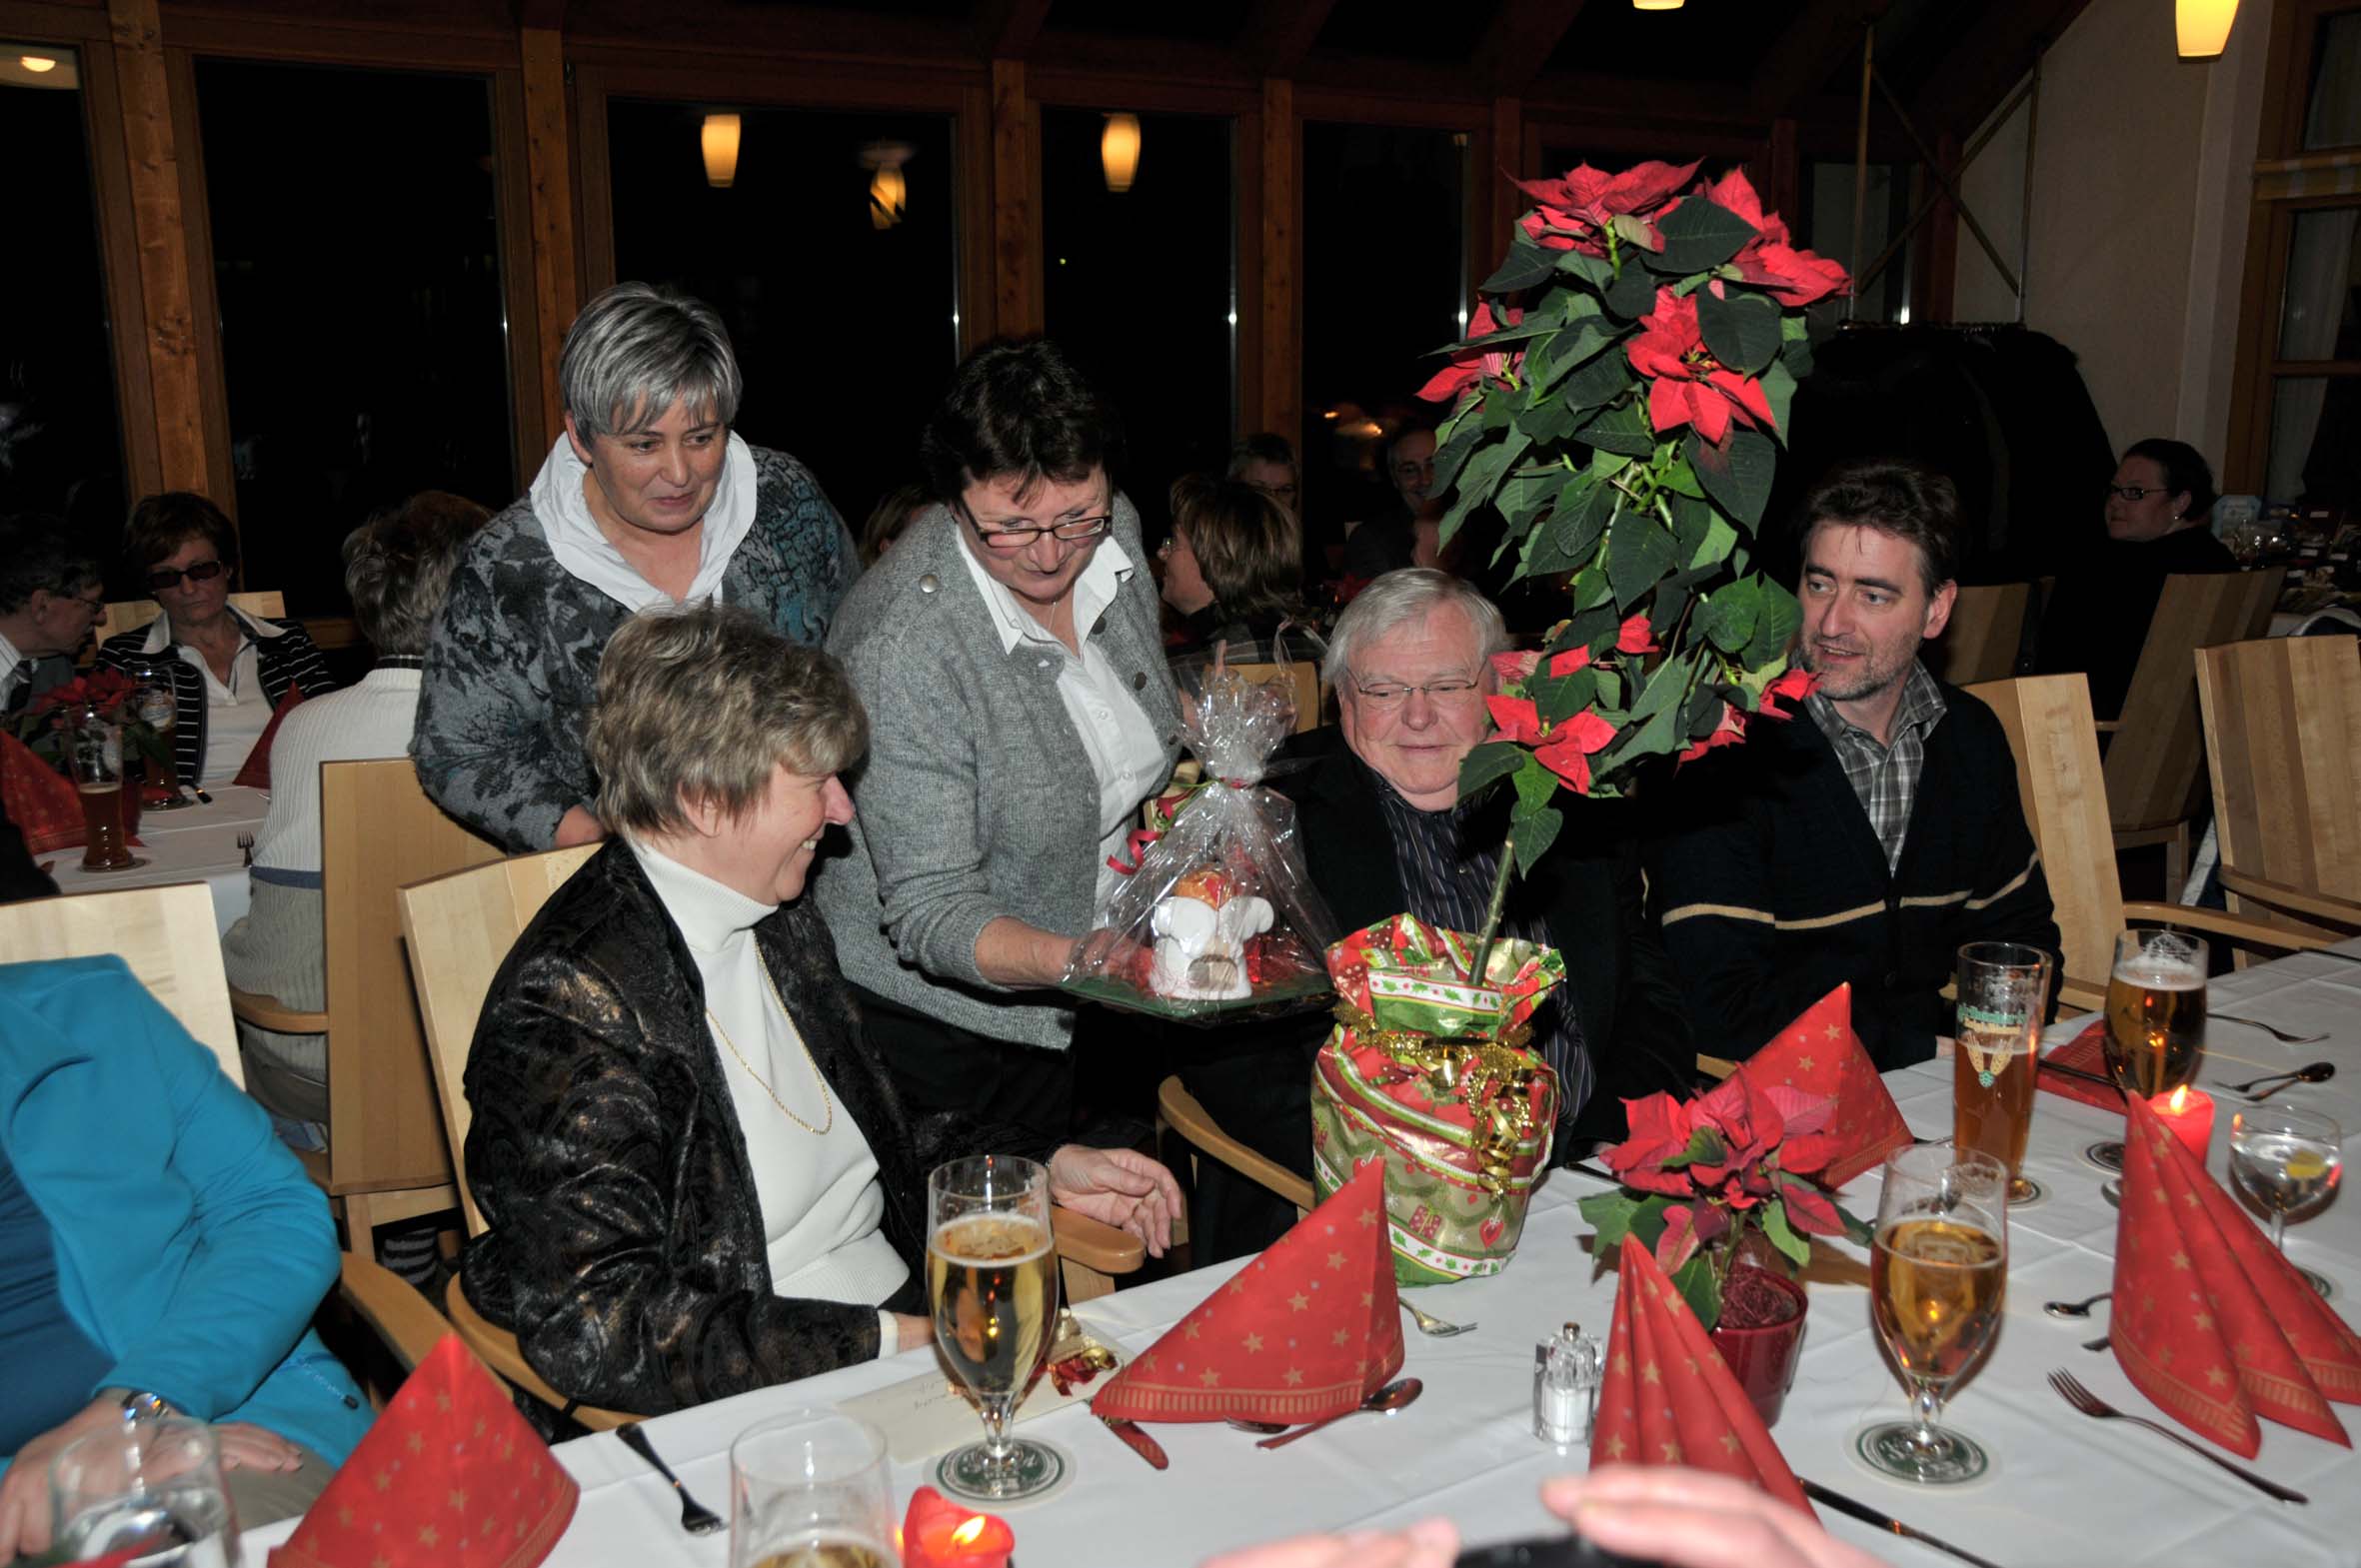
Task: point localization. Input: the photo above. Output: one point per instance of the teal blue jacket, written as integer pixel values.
(190, 1246)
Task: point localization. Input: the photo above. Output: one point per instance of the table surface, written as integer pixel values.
(2066, 1490)
(196, 843)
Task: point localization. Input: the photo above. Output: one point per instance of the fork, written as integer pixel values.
(2283, 1037)
(246, 846)
(1431, 1326)
(2071, 1390)
(695, 1518)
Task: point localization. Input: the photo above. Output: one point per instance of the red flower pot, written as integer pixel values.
(1763, 1359)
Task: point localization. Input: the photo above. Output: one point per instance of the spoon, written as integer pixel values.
(1392, 1397)
(2317, 1073)
(2074, 1308)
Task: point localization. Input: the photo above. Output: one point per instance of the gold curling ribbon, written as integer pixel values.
(1489, 1076)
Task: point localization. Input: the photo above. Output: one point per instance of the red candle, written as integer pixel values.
(2189, 1113)
(938, 1533)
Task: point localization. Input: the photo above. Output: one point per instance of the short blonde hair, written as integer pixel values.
(701, 706)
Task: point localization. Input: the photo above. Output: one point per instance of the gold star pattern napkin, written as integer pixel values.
(1306, 1331)
(1821, 1055)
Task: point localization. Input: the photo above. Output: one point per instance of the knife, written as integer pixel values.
(1868, 1515)
(1136, 1438)
(2076, 1072)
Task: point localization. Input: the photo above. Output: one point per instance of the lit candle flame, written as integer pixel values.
(966, 1534)
(2178, 1102)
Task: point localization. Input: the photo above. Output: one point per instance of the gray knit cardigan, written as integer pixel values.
(977, 799)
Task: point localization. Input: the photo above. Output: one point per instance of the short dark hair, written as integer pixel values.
(887, 518)
(1247, 546)
(161, 524)
(1265, 446)
(2184, 468)
(1892, 496)
(398, 566)
(1016, 410)
(39, 556)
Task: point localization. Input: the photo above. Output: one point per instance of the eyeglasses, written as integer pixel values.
(167, 576)
(2135, 494)
(1172, 541)
(1386, 695)
(1017, 538)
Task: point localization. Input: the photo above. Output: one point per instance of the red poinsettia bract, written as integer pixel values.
(1582, 206)
(1770, 261)
(1470, 367)
(1735, 1148)
(1686, 384)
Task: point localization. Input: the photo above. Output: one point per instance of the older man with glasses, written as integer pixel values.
(1384, 830)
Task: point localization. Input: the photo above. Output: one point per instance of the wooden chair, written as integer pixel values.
(1987, 629)
(131, 614)
(1204, 1136)
(2049, 727)
(387, 1159)
(166, 934)
(1310, 702)
(2155, 767)
(2284, 743)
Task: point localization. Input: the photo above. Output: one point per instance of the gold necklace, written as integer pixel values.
(817, 1078)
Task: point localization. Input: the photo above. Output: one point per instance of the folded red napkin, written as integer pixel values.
(41, 801)
(1307, 1330)
(1820, 1054)
(450, 1476)
(2210, 1321)
(2085, 1052)
(1669, 1398)
(255, 772)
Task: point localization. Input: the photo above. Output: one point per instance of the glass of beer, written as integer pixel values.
(808, 1489)
(992, 1276)
(2003, 991)
(95, 761)
(2156, 1012)
(1938, 1272)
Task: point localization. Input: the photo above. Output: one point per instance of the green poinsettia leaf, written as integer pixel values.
(1700, 715)
(1700, 234)
(1736, 474)
(1619, 427)
(1610, 1215)
(1568, 538)
(1559, 698)
(1638, 553)
(1741, 326)
(1535, 832)
(1728, 616)
(1573, 346)
(1488, 764)
(1633, 294)
(1600, 380)
(1535, 784)
(1775, 623)
(1704, 1147)
(1715, 547)
(1778, 389)
(1700, 1287)
(1666, 612)
(1782, 1235)
(1594, 270)
(1528, 264)
(1681, 480)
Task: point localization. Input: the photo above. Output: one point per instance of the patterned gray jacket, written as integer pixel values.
(513, 663)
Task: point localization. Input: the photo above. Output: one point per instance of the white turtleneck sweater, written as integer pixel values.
(819, 1194)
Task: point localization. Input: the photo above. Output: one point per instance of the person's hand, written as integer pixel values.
(245, 1446)
(578, 827)
(1118, 1188)
(1430, 1543)
(911, 1331)
(24, 1490)
(1685, 1518)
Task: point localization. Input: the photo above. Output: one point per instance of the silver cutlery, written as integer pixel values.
(2313, 1072)
(2101, 1344)
(1888, 1523)
(1394, 1396)
(1431, 1326)
(2071, 1390)
(695, 1518)
(246, 846)
(2079, 1308)
(2283, 1037)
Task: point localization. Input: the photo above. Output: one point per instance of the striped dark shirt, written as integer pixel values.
(286, 660)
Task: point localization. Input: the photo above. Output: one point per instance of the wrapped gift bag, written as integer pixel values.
(1428, 1072)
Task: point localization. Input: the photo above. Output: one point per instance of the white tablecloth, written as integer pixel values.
(2065, 1491)
(197, 843)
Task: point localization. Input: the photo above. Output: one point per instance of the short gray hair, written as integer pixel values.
(1399, 599)
(701, 706)
(398, 566)
(637, 350)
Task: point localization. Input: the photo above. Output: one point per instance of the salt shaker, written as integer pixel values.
(1566, 1386)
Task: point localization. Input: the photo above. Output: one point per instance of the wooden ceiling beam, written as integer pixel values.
(1007, 29)
(1974, 81)
(1518, 45)
(1277, 34)
(1809, 51)
(550, 14)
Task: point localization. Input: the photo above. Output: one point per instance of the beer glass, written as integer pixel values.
(991, 1275)
(94, 750)
(1938, 1272)
(150, 1488)
(2003, 990)
(2156, 1012)
(156, 704)
(807, 1490)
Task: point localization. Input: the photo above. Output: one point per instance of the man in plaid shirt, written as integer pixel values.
(1866, 845)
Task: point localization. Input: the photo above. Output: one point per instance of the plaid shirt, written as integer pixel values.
(1885, 777)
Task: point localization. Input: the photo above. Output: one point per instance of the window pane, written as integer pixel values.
(1139, 287)
(2332, 116)
(845, 332)
(1384, 283)
(1827, 228)
(2317, 316)
(2316, 441)
(61, 438)
(356, 254)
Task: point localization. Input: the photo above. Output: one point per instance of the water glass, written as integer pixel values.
(149, 1486)
(808, 1489)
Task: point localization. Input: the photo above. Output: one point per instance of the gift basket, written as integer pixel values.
(1428, 1070)
(1217, 920)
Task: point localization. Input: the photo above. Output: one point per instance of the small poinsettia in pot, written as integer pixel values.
(1722, 1187)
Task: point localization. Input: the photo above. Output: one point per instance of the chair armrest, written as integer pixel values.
(1186, 1116)
(2081, 996)
(1083, 1240)
(496, 1348)
(269, 1012)
(400, 1317)
(2297, 901)
(2242, 929)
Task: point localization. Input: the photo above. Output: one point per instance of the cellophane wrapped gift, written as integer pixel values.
(1430, 1070)
(1219, 920)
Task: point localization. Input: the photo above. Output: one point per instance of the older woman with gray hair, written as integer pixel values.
(648, 499)
(698, 1179)
(398, 568)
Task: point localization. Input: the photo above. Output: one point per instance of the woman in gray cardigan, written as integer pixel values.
(1006, 650)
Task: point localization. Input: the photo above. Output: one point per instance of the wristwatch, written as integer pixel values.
(140, 1404)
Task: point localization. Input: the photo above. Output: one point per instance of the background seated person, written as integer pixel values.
(1867, 838)
(698, 1179)
(50, 597)
(157, 1243)
(229, 670)
(2159, 516)
(397, 567)
(1234, 572)
(1384, 829)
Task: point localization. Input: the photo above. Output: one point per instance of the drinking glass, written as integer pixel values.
(2156, 1012)
(2003, 990)
(94, 751)
(1938, 1271)
(155, 704)
(808, 1489)
(151, 1487)
(2288, 1159)
(992, 1274)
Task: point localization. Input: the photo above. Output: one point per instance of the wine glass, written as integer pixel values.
(991, 1275)
(1938, 1270)
(151, 1488)
(2288, 1159)
(807, 1490)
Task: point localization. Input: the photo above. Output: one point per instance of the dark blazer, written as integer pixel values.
(626, 1249)
(284, 656)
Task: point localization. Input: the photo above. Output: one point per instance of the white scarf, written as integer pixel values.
(586, 553)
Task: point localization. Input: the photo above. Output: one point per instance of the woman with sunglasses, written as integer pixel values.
(229, 670)
(1019, 712)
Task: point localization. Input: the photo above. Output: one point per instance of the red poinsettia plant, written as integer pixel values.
(43, 724)
(1700, 1174)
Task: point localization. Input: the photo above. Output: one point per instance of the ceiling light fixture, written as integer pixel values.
(719, 140)
(2203, 27)
(1656, 5)
(38, 64)
(1118, 151)
(889, 194)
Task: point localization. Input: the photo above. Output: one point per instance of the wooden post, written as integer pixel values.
(1281, 368)
(548, 166)
(1015, 204)
(164, 283)
(1939, 275)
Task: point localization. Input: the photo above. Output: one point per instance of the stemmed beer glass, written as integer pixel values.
(991, 1275)
(1938, 1272)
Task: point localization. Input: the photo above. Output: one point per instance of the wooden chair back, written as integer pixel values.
(2155, 767)
(130, 614)
(167, 937)
(2283, 742)
(461, 926)
(1987, 627)
(1304, 675)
